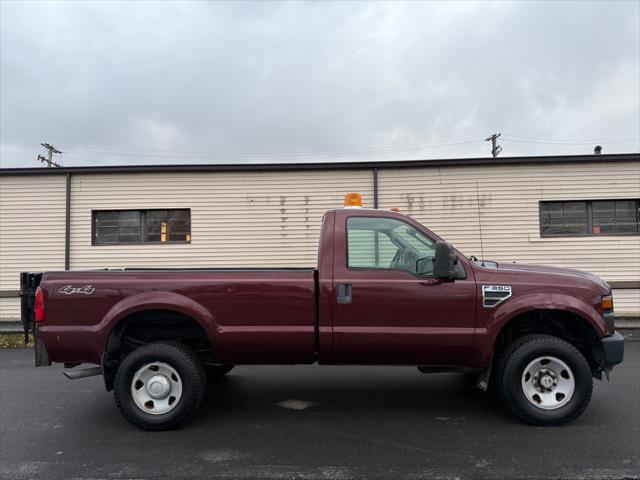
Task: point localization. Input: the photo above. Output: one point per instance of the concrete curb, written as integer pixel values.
(11, 327)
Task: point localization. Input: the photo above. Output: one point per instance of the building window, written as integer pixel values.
(141, 226)
(590, 217)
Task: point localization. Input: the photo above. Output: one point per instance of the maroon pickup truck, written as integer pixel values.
(386, 291)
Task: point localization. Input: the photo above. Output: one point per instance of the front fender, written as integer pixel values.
(486, 336)
(158, 300)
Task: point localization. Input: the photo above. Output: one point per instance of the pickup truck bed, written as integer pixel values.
(275, 324)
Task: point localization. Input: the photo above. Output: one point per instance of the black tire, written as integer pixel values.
(192, 377)
(216, 372)
(510, 370)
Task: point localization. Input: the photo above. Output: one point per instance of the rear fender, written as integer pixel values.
(159, 300)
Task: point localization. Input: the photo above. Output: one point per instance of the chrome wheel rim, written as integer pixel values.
(156, 388)
(548, 383)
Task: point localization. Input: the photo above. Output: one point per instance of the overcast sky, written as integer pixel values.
(191, 82)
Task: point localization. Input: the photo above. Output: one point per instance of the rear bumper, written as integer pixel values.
(613, 349)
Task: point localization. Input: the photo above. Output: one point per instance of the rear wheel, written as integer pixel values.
(544, 380)
(159, 386)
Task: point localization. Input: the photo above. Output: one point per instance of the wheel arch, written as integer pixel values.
(158, 300)
(563, 323)
(172, 316)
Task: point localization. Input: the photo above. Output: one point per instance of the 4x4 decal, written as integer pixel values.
(71, 290)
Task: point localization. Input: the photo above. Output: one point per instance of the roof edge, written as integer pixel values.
(231, 167)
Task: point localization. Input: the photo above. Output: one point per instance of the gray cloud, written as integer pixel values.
(150, 82)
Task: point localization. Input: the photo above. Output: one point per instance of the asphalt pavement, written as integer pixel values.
(313, 422)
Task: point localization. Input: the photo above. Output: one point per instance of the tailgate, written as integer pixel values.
(29, 282)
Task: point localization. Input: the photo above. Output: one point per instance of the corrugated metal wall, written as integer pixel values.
(237, 219)
(445, 200)
(272, 218)
(32, 220)
(627, 302)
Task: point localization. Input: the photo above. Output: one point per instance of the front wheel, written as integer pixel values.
(544, 380)
(159, 386)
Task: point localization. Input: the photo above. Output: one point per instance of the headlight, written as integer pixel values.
(607, 303)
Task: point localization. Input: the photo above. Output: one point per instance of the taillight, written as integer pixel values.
(38, 308)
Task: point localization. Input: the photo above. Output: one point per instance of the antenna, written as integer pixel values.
(479, 222)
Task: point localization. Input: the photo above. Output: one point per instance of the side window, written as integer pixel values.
(563, 218)
(590, 217)
(113, 227)
(385, 243)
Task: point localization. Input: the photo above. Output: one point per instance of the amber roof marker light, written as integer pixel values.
(352, 200)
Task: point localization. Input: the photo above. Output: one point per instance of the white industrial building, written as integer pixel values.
(571, 211)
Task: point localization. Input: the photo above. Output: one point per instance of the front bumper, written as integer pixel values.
(613, 349)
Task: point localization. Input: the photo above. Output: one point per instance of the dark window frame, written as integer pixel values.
(143, 227)
(589, 219)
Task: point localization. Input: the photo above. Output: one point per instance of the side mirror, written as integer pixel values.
(424, 266)
(444, 261)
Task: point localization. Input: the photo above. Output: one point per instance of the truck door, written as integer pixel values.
(383, 312)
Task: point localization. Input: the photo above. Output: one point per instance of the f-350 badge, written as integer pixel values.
(493, 295)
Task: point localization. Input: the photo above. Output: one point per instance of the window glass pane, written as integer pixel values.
(626, 208)
(549, 230)
(361, 248)
(153, 225)
(179, 225)
(168, 225)
(386, 251)
(603, 209)
(125, 226)
(107, 234)
(552, 209)
(117, 226)
(575, 229)
(107, 219)
(129, 234)
(627, 227)
(615, 216)
(129, 218)
(575, 209)
(385, 243)
(563, 218)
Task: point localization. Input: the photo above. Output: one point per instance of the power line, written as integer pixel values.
(558, 141)
(568, 144)
(322, 154)
(170, 153)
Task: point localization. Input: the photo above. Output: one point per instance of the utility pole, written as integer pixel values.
(495, 148)
(49, 158)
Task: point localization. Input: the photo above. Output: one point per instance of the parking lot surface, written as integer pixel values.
(313, 422)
